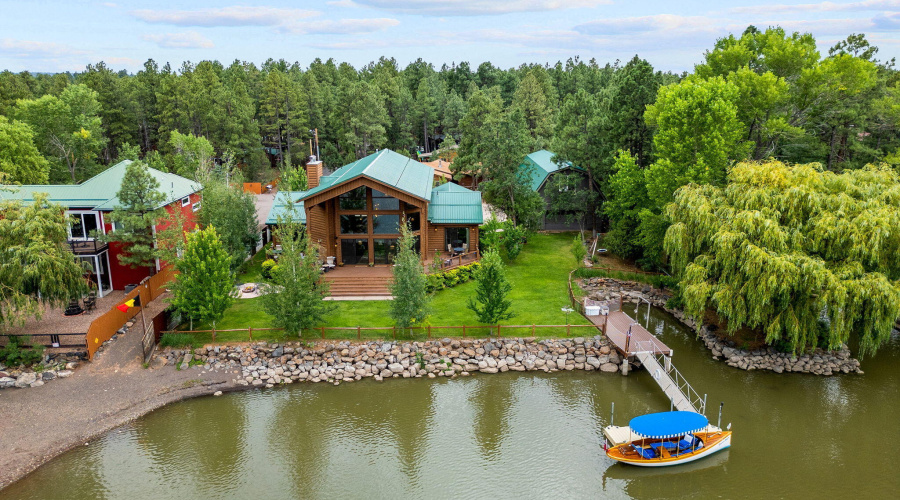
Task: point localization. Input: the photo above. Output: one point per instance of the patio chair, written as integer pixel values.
(465, 247)
(329, 263)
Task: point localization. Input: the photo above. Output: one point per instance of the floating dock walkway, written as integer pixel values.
(634, 341)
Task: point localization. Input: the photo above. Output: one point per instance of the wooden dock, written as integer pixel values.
(634, 341)
(626, 334)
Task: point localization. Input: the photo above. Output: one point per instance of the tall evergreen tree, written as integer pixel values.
(135, 215)
(410, 306)
(490, 303)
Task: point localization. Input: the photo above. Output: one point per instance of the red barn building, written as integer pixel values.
(87, 209)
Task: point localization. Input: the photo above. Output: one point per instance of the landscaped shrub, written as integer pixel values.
(176, 340)
(451, 278)
(267, 268)
(19, 351)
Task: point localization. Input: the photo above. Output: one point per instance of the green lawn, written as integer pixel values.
(538, 278)
(251, 270)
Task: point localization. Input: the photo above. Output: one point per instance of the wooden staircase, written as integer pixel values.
(359, 286)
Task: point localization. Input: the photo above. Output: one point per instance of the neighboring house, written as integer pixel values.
(442, 171)
(542, 170)
(354, 213)
(87, 209)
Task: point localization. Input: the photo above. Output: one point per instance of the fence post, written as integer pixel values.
(323, 333)
(568, 331)
(358, 333)
(394, 332)
(533, 328)
(250, 333)
(464, 331)
(429, 331)
(498, 331)
(214, 334)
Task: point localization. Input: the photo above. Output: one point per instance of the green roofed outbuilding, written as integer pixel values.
(541, 167)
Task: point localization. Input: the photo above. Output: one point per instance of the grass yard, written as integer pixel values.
(539, 292)
(251, 270)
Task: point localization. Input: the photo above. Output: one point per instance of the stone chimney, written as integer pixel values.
(314, 173)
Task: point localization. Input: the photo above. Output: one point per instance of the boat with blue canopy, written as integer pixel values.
(667, 438)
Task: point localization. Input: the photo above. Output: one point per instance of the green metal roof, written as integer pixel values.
(385, 166)
(543, 166)
(99, 192)
(454, 204)
(282, 200)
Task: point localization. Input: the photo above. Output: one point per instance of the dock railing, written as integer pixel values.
(646, 349)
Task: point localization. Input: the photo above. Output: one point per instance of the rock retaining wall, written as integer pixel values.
(818, 362)
(264, 364)
(53, 366)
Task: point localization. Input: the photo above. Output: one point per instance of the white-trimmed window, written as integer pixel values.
(195, 206)
(83, 224)
(185, 201)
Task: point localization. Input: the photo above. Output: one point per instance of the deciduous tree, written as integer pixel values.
(20, 160)
(204, 286)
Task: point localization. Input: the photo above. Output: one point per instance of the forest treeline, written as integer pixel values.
(640, 133)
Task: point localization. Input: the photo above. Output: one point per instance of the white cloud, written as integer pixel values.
(187, 40)
(342, 26)
(868, 5)
(39, 50)
(476, 7)
(225, 16)
(648, 24)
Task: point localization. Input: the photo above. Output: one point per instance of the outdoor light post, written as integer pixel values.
(567, 310)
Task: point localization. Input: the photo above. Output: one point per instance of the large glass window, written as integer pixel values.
(386, 224)
(381, 201)
(354, 251)
(83, 226)
(354, 224)
(353, 200)
(385, 250)
(457, 238)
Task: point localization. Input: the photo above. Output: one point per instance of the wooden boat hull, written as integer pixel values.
(712, 443)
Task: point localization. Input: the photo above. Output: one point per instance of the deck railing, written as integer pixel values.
(677, 378)
(447, 263)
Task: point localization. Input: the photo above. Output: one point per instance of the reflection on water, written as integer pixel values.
(513, 435)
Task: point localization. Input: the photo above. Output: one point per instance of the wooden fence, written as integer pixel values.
(106, 325)
(428, 332)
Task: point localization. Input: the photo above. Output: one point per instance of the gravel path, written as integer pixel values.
(37, 424)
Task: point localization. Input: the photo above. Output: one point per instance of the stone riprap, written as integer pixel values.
(265, 364)
(53, 366)
(818, 362)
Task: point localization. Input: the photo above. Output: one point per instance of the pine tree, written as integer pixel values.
(490, 303)
(133, 218)
(410, 306)
(204, 286)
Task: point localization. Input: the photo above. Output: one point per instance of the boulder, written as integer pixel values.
(609, 368)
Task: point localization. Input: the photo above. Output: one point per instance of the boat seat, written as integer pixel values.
(645, 452)
(667, 445)
(689, 442)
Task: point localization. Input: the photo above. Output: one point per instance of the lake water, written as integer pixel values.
(514, 435)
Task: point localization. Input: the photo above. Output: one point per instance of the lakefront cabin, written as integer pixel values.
(354, 214)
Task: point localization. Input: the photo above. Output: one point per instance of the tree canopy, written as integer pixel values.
(809, 257)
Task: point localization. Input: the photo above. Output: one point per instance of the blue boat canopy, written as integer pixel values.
(668, 424)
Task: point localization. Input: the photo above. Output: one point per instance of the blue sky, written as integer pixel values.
(49, 36)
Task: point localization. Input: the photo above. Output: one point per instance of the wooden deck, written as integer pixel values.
(616, 325)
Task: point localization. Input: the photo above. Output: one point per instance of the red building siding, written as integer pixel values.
(124, 275)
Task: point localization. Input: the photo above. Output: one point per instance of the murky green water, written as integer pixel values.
(498, 436)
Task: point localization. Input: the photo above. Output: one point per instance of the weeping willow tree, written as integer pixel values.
(805, 256)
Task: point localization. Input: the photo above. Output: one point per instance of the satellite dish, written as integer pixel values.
(729, 426)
